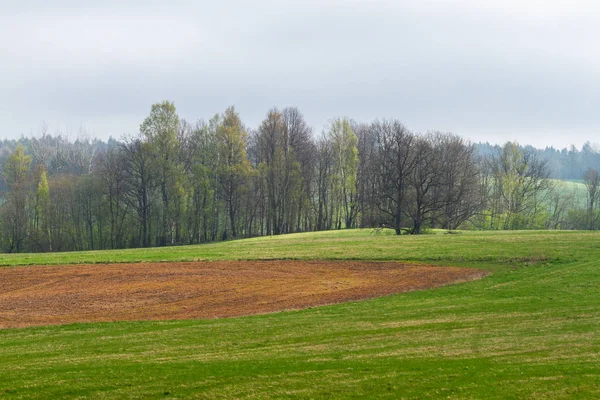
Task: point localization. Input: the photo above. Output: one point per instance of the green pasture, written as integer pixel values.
(575, 189)
(530, 330)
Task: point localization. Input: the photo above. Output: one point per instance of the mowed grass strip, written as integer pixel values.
(530, 330)
(359, 244)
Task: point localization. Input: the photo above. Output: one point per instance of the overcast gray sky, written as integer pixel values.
(488, 70)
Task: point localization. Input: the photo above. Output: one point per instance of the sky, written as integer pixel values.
(492, 71)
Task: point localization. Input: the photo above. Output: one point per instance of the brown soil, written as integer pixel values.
(44, 295)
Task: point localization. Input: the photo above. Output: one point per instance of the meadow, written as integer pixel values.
(576, 189)
(531, 329)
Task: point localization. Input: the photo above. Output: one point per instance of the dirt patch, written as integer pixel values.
(44, 295)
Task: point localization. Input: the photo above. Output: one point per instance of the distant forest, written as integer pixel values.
(180, 182)
(567, 164)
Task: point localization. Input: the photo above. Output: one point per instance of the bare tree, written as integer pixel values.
(301, 150)
(559, 203)
(459, 180)
(425, 180)
(42, 150)
(323, 178)
(140, 183)
(367, 175)
(112, 170)
(80, 155)
(592, 184)
(344, 151)
(273, 146)
(397, 162)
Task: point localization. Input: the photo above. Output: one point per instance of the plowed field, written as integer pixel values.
(43, 295)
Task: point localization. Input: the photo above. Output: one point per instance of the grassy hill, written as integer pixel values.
(576, 189)
(530, 330)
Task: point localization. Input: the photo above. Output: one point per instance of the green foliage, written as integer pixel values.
(17, 167)
(16, 177)
(201, 215)
(233, 167)
(43, 194)
(520, 194)
(345, 167)
(279, 171)
(160, 130)
(42, 209)
(575, 190)
(160, 127)
(176, 183)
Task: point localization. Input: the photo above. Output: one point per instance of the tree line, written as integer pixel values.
(177, 182)
(567, 163)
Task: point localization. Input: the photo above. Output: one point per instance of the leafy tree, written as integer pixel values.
(521, 184)
(344, 151)
(300, 150)
(178, 182)
(16, 174)
(233, 166)
(42, 209)
(160, 130)
(278, 140)
(201, 146)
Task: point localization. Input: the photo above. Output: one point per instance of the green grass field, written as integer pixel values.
(576, 189)
(530, 330)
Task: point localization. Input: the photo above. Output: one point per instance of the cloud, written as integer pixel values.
(488, 70)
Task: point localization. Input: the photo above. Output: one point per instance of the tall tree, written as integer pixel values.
(200, 165)
(112, 170)
(459, 190)
(42, 210)
(299, 160)
(521, 182)
(323, 186)
(424, 179)
(280, 137)
(592, 184)
(160, 130)
(397, 162)
(233, 165)
(16, 173)
(271, 141)
(367, 175)
(137, 159)
(345, 166)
